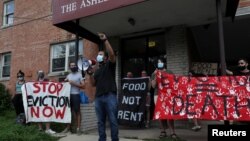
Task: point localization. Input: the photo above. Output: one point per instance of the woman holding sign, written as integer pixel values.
(17, 98)
(41, 78)
(163, 123)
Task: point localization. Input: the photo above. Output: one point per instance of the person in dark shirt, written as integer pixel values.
(242, 68)
(106, 96)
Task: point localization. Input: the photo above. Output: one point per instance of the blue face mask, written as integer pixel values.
(160, 65)
(99, 58)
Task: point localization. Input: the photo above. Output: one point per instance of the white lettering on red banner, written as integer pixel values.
(87, 3)
(212, 98)
(74, 6)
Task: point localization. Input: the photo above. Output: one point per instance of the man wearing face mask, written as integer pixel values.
(242, 68)
(77, 82)
(163, 123)
(106, 96)
(17, 99)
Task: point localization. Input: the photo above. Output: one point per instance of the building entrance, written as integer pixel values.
(141, 53)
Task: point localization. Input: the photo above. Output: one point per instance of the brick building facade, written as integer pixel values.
(31, 35)
(25, 44)
(29, 40)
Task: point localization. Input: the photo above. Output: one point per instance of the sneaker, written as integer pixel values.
(66, 130)
(49, 131)
(78, 131)
(196, 128)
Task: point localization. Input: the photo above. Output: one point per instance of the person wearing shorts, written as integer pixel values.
(77, 82)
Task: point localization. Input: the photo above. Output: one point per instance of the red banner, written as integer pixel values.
(211, 98)
(66, 10)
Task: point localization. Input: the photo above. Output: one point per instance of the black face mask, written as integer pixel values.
(241, 68)
(74, 69)
(41, 75)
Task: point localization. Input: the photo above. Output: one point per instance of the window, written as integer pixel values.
(5, 65)
(62, 54)
(8, 13)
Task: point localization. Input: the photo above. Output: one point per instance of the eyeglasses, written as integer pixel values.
(241, 63)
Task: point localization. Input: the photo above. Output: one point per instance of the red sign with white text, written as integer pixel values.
(211, 98)
(66, 10)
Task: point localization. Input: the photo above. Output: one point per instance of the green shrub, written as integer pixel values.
(5, 99)
(15, 132)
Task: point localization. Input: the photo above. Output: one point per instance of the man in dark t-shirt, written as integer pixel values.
(106, 96)
(105, 79)
(242, 68)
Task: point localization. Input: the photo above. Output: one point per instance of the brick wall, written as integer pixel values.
(29, 39)
(244, 3)
(177, 50)
(90, 50)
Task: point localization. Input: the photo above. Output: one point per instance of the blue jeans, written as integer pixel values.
(106, 105)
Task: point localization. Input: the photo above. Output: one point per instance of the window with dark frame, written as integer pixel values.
(5, 65)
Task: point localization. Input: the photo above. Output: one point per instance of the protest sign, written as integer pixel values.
(47, 102)
(132, 101)
(211, 98)
(204, 68)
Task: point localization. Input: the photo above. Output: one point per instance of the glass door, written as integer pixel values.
(141, 53)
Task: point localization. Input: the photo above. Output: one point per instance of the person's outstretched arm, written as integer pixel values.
(108, 47)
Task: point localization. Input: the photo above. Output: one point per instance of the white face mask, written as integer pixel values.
(20, 78)
(99, 58)
(160, 65)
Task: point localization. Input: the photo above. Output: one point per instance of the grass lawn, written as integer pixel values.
(10, 131)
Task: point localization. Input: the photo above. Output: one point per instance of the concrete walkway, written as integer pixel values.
(183, 131)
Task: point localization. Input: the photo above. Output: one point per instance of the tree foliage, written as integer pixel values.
(5, 99)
